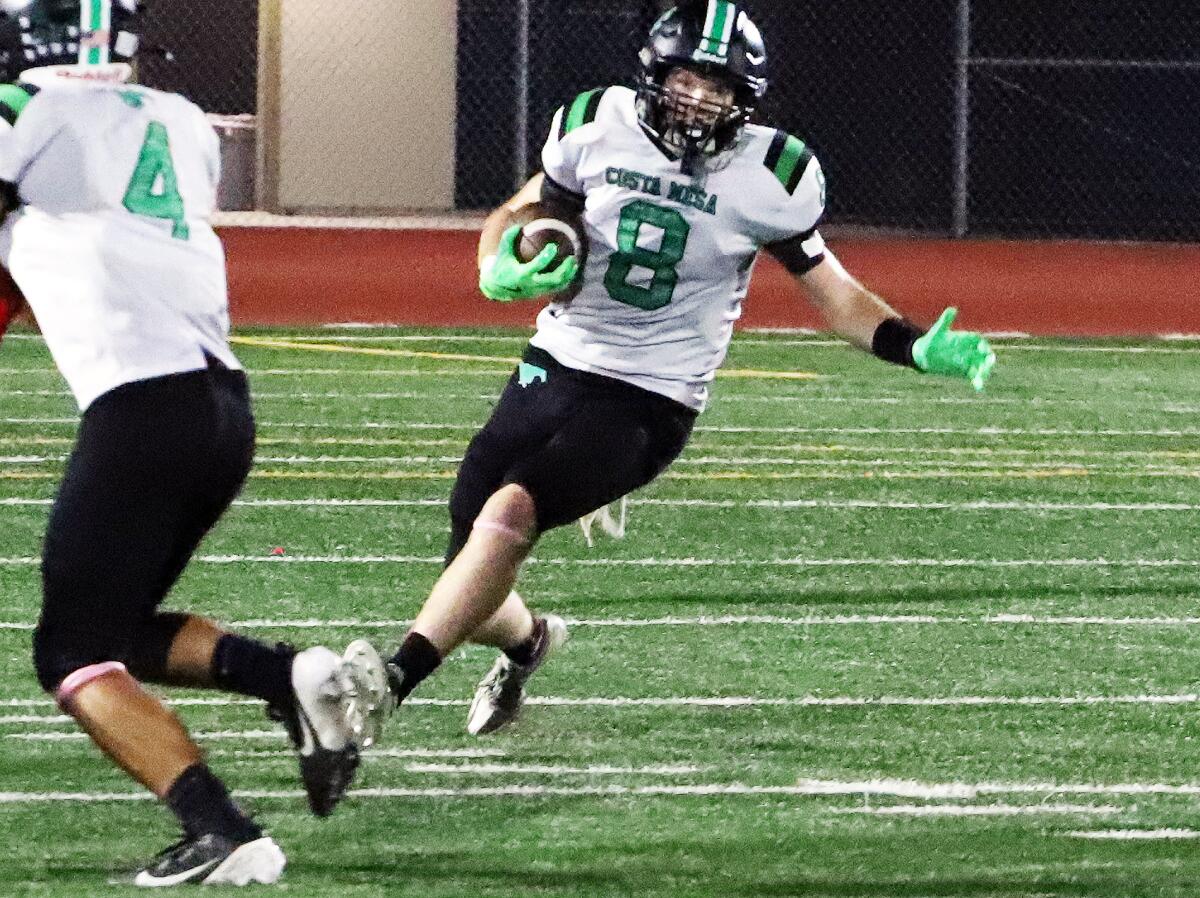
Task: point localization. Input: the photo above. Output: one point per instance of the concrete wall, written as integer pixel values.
(357, 104)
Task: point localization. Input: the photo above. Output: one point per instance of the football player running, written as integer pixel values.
(108, 189)
(679, 192)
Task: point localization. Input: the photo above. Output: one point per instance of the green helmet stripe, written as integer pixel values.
(718, 28)
(95, 18)
(583, 110)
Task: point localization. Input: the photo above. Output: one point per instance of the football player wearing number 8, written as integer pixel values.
(108, 191)
(679, 192)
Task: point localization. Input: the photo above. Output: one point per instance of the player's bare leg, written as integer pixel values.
(476, 584)
(473, 599)
(305, 691)
(512, 624)
(525, 642)
(147, 741)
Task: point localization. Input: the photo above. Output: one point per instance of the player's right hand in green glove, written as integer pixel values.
(504, 278)
(954, 353)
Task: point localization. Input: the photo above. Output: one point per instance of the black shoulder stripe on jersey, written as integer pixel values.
(583, 110)
(787, 158)
(776, 150)
(593, 106)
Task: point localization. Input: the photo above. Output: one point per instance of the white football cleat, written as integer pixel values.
(500, 695)
(214, 860)
(369, 700)
(613, 526)
(319, 725)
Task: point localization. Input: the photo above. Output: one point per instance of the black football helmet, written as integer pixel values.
(714, 38)
(36, 33)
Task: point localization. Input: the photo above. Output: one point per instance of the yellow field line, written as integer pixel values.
(271, 343)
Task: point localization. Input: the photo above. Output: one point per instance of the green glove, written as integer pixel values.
(954, 353)
(504, 278)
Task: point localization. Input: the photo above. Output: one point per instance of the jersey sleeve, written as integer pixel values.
(569, 134)
(18, 145)
(795, 204)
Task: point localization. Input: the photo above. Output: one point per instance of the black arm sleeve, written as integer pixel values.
(553, 192)
(791, 253)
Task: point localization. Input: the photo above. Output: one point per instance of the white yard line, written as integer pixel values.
(721, 620)
(405, 462)
(554, 769)
(870, 431)
(986, 810)
(736, 701)
(215, 736)
(1135, 834)
(875, 465)
(765, 504)
(799, 563)
(607, 791)
(774, 399)
(374, 753)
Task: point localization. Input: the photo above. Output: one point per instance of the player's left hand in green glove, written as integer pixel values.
(954, 353)
(505, 278)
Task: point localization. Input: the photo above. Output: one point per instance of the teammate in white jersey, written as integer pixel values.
(108, 188)
(679, 193)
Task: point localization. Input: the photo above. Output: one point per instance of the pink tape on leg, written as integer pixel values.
(495, 527)
(85, 675)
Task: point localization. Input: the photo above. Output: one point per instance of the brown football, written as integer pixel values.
(543, 224)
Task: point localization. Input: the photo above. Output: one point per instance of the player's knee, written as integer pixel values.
(511, 512)
(70, 636)
(57, 655)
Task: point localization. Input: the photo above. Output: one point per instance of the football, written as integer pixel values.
(543, 224)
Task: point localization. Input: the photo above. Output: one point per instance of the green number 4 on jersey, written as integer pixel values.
(153, 189)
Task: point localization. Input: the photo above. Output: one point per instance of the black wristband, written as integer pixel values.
(893, 341)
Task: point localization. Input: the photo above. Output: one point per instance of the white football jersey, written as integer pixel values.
(111, 243)
(669, 257)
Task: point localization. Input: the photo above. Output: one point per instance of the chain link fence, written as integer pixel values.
(207, 51)
(1040, 118)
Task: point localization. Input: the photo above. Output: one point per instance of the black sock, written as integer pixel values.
(522, 652)
(250, 668)
(416, 659)
(202, 804)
